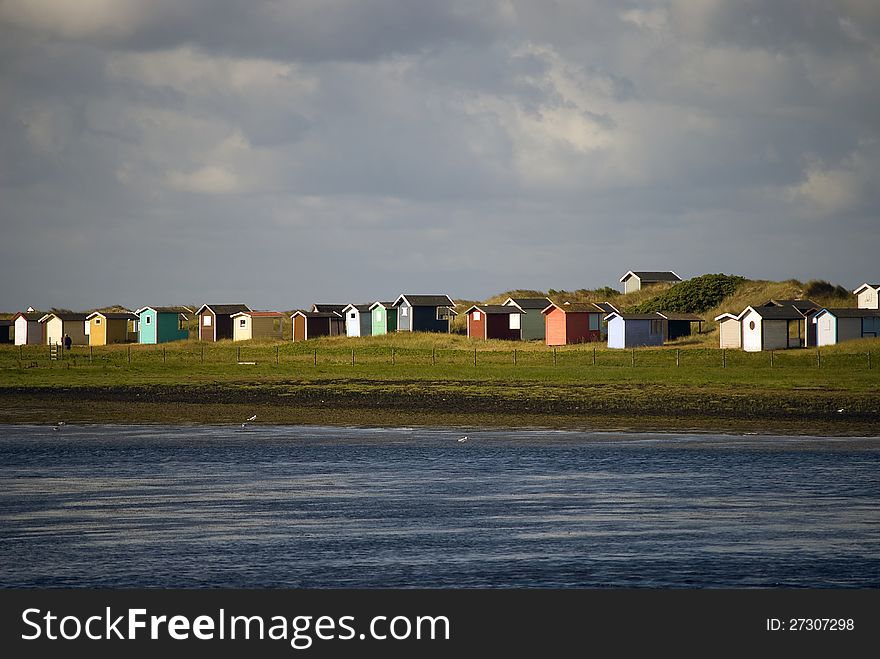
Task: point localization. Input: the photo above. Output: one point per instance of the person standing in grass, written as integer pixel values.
(67, 341)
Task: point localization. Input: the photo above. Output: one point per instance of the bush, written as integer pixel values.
(822, 288)
(693, 295)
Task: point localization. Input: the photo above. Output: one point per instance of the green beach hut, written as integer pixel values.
(163, 324)
(384, 317)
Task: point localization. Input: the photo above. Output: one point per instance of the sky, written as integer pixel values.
(278, 153)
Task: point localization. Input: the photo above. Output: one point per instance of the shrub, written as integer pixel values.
(693, 295)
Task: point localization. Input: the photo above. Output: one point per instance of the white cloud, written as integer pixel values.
(210, 179)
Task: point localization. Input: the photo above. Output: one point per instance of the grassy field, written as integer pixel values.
(432, 379)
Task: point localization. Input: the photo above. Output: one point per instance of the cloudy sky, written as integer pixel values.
(279, 153)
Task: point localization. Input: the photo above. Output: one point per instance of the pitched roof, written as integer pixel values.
(801, 305)
(637, 316)
(505, 309)
(316, 314)
(64, 316)
(876, 287)
(607, 307)
(30, 315)
(5, 322)
(650, 275)
(114, 315)
(328, 308)
(775, 313)
(539, 303)
(361, 308)
(259, 314)
(669, 315)
(851, 313)
(384, 305)
(575, 307)
(224, 309)
(425, 300)
(725, 316)
(179, 310)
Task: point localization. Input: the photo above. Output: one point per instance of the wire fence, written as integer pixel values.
(304, 355)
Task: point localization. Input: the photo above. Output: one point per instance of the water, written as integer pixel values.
(132, 506)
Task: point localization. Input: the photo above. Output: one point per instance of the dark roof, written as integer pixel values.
(183, 310)
(802, 305)
(328, 308)
(30, 315)
(777, 313)
(646, 275)
(5, 323)
(638, 316)
(607, 307)
(316, 314)
(66, 316)
(668, 315)
(495, 308)
(225, 309)
(577, 307)
(849, 312)
(530, 302)
(115, 315)
(426, 300)
(362, 308)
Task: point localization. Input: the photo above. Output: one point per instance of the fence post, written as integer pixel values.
(352, 356)
(20, 353)
(514, 356)
(90, 354)
(129, 354)
(475, 356)
(771, 359)
(678, 356)
(594, 355)
(633, 356)
(392, 355)
(818, 359)
(723, 358)
(316, 356)
(163, 354)
(203, 352)
(554, 355)
(869, 359)
(238, 354)
(276, 355)
(433, 356)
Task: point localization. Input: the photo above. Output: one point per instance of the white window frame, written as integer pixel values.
(476, 316)
(206, 320)
(242, 323)
(514, 321)
(403, 311)
(148, 320)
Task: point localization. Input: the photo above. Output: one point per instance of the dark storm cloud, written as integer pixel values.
(466, 147)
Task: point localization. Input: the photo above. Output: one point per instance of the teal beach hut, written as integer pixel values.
(163, 324)
(384, 317)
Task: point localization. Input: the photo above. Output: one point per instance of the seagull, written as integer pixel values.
(244, 425)
(54, 427)
(60, 423)
(253, 418)
(840, 411)
(462, 439)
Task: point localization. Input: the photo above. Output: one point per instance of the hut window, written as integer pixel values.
(353, 315)
(206, 321)
(97, 321)
(751, 324)
(242, 322)
(476, 315)
(147, 320)
(656, 327)
(403, 311)
(442, 313)
(594, 321)
(514, 321)
(181, 323)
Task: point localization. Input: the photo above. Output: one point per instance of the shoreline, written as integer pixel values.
(333, 404)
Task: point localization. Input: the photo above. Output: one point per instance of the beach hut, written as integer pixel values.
(384, 315)
(106, 327)
(312, 324)
(358, 320)
(836, 325)
(868, 296)
(7, 327)
(494, 321)
(329, 308)
(532, 320)
(424, 313)
(58, 324)
(680, 324)
(634, 330)
(215, 320)
(247, 325)
(729, 331)
(572, 323)
(28, 329)
(163, 324)
(636, 280)
(772, 328)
